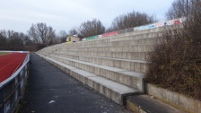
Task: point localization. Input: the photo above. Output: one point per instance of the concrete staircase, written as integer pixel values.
(115, 66)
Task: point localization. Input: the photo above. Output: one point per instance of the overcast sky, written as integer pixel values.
(19, 15)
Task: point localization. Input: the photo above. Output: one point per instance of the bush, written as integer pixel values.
(176, 61)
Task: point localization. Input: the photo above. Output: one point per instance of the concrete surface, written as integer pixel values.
(52, 91)
(147, 104)
(177, 100)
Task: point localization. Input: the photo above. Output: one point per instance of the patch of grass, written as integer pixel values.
(3, 53)
(20, 106)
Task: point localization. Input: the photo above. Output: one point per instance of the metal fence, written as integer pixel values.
(12, 89)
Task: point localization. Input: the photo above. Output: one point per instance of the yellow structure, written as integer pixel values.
(71, 39)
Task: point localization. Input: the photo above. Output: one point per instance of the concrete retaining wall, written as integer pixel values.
(177, 100)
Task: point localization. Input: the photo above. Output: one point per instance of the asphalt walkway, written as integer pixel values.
(53, 91)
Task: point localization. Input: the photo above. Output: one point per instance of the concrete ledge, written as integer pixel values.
(177, 100)
(147, 104)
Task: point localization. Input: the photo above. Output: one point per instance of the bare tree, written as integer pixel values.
(191, 10)
(3, 33)
(33, 34)
(62, 36)
(179, 8)
(131, 20)
(91, 28)
(2, 42)
(11, 40)
(73, 31)
(50, 37)
(41, 33)
(7, 34)
(14, 40)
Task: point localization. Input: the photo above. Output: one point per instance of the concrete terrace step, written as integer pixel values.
(120, 55)
(121, 37)
(122, 42)
(118, 38)
(137, 32)
(132, 65)
(52, 48)
(130, 78)
(116, 48)
(126, 38)
(113, 90)
(106, 42)
(129, 35)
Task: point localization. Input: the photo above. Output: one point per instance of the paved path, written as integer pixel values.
(52, 91)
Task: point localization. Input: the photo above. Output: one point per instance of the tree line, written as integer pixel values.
(40, 35)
